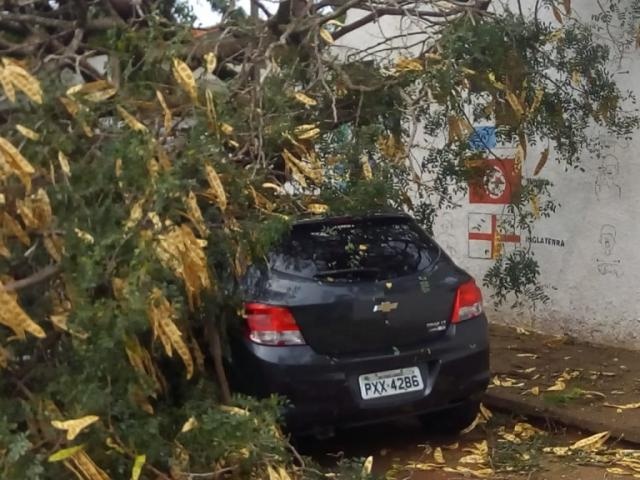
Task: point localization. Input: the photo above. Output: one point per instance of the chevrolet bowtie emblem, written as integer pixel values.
(385, 307)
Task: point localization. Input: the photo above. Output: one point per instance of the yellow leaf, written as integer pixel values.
(276, 188)
(317, 208)
(211, 109)
(81, 462)
(19, 165)
(473, 459)
(627, 406)
(535, 206)
(135, 215)
(486, 413)
(309, 134)
(519, 158)
(75, 426)
(161, 315)
(54, 247)
(226, 128)
(537, 100)
(12, 316)
(453, 446)
(302, 168)
(27, 132)
(576, 78)
(404, 64)
(216, 187)
(63, 160)
(168, 118)
(84, 236)
(591, 443)
(557, 387)
(25, 82)
(137, 466)
(13, 227)
(474, 424)
(64, 453)
(455, 128)
(283, 474)
(304, 99)
(130, 120)
(184, 76)
(557, 13)
(438, 456)
(544, 156)
(195, 214)
(367, 466)
(273, 475)
(189, 425)
(514, 101)
(492, 79)
(366, 168)
(481, 473)
(180, 251)
(71, 106)
(618, 471)
(326, 35)
(7, 86)
(96, 92)
(234, 410)
(211, 61)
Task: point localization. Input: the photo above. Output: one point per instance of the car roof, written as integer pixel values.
(344, 219)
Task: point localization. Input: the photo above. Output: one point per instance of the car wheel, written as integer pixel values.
(451, 420)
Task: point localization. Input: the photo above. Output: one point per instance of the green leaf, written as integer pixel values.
(64, 453)
(137, 466)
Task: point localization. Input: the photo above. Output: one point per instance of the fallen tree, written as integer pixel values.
(144, 165)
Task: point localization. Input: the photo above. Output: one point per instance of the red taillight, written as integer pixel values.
(269, 325)
(468, 303)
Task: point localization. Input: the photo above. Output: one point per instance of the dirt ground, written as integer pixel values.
(593, 387)
(395, 447)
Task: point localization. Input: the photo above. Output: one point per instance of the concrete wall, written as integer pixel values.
(589, 251)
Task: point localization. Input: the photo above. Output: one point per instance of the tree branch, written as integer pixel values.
(261, 6)
(104, 23)
(361, 22)
(40, 276)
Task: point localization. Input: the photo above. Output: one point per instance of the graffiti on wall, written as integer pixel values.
(490, 235)
(607, 183)
(497, 181)
(607, 262)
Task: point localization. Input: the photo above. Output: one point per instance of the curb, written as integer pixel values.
(499, 401)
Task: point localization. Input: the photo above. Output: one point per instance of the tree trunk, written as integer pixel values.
(215, 349)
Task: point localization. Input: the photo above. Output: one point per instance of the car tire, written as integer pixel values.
(451, 420)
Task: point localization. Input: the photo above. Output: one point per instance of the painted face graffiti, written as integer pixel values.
(608, 239)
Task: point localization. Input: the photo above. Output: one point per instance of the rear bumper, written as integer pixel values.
(324, 391)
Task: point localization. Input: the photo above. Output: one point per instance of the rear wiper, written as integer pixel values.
(347, 272)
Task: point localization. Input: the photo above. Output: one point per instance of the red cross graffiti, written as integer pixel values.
(496, 238)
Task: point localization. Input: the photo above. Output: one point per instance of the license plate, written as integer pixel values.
(390, 382)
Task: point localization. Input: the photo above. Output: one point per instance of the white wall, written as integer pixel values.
(588, 251)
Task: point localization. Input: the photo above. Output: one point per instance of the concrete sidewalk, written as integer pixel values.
(592, 388)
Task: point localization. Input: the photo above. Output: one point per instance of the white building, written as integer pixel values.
(588, 251)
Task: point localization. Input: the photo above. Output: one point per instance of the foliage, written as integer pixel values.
(133, 199)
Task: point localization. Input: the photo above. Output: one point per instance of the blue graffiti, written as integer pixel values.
(483, 138)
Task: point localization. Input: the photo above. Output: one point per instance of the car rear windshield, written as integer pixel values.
(355, 250)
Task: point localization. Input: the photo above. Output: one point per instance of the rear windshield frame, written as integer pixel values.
(351, 260)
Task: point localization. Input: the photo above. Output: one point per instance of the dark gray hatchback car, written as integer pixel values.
(362, 319)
